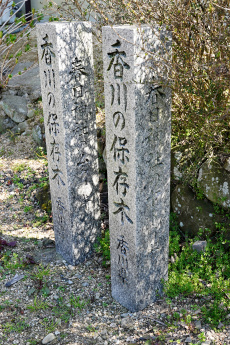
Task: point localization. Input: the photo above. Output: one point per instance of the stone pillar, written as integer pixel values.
(138, 128)
(67, 83)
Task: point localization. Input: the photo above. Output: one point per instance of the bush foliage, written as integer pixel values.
(200, 71)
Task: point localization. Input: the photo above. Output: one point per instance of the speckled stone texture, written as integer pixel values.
(138, 128)
(67, 83)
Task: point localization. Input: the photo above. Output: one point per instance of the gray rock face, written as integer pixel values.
(5, 122)
(175, 160)
(199, 246)
(67, 83)
(50, 337)
(22, 127)
(15, 107)
(28, 82)
(38, 136)
(214, 181)
(138, 163)
(192, 214)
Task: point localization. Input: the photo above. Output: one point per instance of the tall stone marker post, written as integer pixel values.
(67, 82)
(138, 128)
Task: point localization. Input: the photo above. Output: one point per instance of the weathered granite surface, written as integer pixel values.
(138, 129)
(214, 182)
(15, 107)
(67, 83)
(193, 214)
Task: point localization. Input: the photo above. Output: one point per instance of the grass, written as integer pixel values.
(11, 261)
(193, 274)
(50, 325)
(16, 326)
(205, 274)
(77, 303)
(37, 305)
(102, 246)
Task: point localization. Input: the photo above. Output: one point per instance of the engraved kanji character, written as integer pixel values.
(117, 60)
(57, 176)
(53, 124)
(83, 164)
(47, 50)
(79, 109)
(82, 129)
(122, 209)
(55, 150)
(122, 274)
(123, 245)
(120, 175)
(61, 209)
(122, 258)
(77, 91)
(154, 91)
(49, 78)
(117, 93)
(77, 69)
(51, 99)
(118, 117)
(120, 152)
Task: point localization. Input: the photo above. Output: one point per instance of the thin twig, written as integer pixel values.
(151, 318)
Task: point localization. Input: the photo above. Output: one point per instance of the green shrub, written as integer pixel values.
(103, 246)
(199, 67)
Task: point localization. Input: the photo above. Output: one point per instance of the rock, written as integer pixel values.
(47, 256)
(172, 260)
(15, 279)
(71, 267)
(85, 284)
(15, 107)
(126, 322)
(30, 113)
(198, 324)
(28, 82)
(5, 122)
(220, 325)
(124, 315)
(214, 182)
(199, 246)
(22, 127)
(38, 136)
(175, 160)
(193, 214)
(50, 337)
(188, 340)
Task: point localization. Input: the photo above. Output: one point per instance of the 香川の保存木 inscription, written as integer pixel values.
(138, 162)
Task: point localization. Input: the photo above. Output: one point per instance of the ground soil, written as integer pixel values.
(73, 304)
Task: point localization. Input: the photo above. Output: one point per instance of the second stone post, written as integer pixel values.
(67, 83)
(138, 128)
